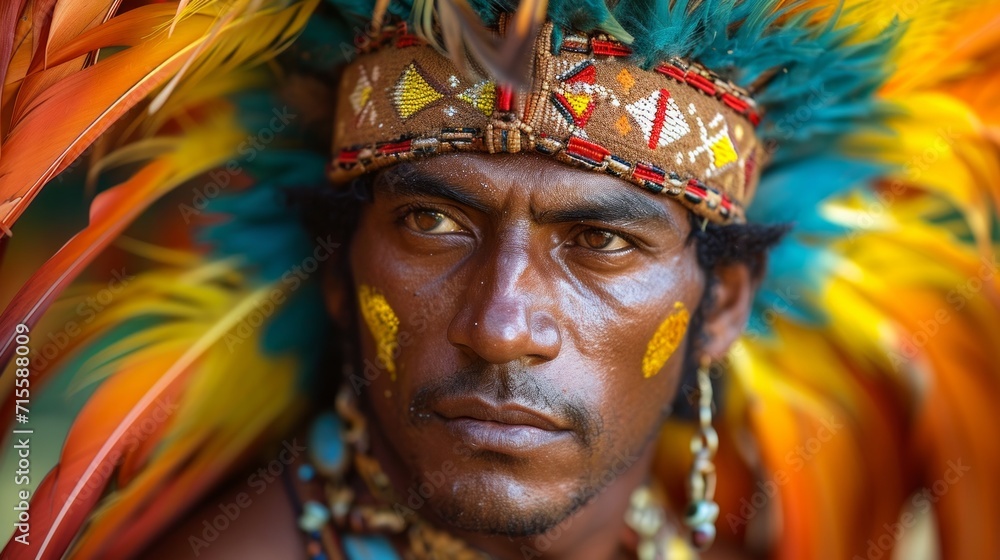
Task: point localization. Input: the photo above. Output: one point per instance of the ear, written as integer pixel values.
(337, 297)
(731, 303)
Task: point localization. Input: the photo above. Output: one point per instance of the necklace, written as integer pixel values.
(339, 448)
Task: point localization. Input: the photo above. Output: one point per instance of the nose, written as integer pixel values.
(507, 312)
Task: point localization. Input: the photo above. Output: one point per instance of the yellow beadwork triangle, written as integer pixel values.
(414, 92)
(723, 152)
(578, 103)
(482, 96)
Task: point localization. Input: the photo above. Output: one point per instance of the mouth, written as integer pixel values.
(508, 428)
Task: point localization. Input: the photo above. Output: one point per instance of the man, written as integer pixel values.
(526, 295)
(533, 246)
(518, 327)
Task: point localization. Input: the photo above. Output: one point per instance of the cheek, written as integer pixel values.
(665, 340)
(639, 343)
(406, 305)
(383, 323)
(638, 393)
(635, 325)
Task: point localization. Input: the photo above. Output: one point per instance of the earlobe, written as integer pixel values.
(732, 299)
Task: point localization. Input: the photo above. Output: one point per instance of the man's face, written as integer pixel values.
(509, 307)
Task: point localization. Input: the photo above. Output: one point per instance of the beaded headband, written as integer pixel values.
(677, 129)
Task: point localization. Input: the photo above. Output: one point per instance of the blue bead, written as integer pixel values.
(306, 472)
(368, 547)
(326, 445)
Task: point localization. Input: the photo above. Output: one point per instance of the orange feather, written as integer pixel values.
(71, 18)
(94, 445)
(111, 212)
(10, 13)
(60, 123)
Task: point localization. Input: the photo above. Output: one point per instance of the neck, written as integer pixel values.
(594, 531)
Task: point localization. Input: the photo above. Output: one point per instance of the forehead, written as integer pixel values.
(511, 182)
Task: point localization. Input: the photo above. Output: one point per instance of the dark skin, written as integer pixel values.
(520, 280)
(522, 283)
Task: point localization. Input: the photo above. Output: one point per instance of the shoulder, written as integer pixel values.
(253, 517)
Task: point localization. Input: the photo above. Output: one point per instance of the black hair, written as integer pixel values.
(335, 213)
(719, 245)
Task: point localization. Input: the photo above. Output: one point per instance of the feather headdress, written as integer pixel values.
(875, 324)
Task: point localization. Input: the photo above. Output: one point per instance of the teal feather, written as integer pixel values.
(790, 191)
(795, 269)
(259, 226)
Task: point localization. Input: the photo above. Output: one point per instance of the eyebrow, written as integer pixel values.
(615, 206)
(406, 179)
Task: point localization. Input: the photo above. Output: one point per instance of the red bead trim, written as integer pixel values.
(672, 71)
(649, 173)
(593, 153)
(394, 148)
(609, 48)
(695, 188)
(735, 103)
(585, 73)
(407, 40)
(715, 88)
(700, 82)
(348, 156)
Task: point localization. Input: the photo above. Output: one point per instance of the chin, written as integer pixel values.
(496, 504)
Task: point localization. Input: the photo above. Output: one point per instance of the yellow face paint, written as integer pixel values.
(666, 340)
(383, 324)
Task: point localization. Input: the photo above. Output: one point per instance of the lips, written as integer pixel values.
(511, 414)
(508, 428)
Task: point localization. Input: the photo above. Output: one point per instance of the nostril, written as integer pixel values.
(545, 333)
(548, 337)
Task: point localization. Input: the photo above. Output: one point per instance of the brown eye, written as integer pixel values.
(428, 221)
(601, 240)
